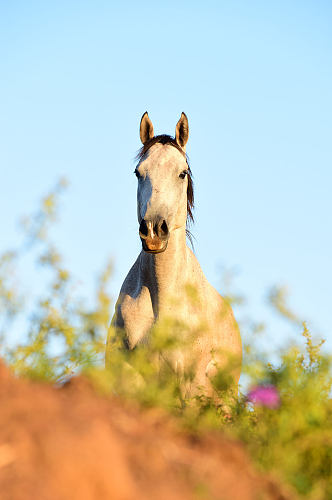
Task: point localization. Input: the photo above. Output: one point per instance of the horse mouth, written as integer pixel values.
(154, 245)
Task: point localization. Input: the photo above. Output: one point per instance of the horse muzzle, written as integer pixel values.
(154, 235)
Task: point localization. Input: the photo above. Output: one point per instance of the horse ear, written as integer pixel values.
(182, 131)
(146, 128)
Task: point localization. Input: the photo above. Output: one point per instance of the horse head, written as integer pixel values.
(164, 192)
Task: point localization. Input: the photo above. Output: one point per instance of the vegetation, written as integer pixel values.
(284, 417)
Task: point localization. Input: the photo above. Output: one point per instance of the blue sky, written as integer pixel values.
(255, 80)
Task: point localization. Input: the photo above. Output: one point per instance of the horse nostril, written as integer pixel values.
(143, 229)
(164, 228)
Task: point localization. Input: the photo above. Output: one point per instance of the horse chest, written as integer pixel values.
(137, 313)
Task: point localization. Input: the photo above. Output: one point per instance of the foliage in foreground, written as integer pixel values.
(285, 420)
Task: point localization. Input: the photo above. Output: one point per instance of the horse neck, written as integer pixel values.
(165, 272)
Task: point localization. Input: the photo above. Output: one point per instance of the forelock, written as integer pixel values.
(159, 139)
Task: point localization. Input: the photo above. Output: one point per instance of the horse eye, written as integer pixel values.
(136, 172)
(183, 174)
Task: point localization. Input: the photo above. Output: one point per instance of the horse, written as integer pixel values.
(156, 286)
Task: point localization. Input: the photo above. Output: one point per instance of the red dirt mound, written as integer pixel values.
(72, 444)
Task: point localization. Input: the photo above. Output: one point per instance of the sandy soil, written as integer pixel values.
(72, 444)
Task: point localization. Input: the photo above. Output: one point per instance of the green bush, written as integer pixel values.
(289, 434)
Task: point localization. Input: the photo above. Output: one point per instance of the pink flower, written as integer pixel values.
(264, 395)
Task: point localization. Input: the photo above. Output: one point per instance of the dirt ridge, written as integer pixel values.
(71, 443)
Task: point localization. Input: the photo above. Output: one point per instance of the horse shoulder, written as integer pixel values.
(216, 309)
(133, 311)
(219, 341)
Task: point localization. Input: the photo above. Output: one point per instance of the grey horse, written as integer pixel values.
(157, 285)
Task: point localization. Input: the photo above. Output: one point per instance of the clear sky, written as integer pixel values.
(255, 80)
